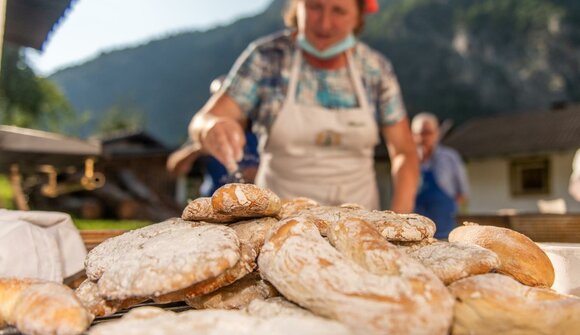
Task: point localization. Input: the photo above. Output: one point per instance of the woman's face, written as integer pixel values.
(329, 21)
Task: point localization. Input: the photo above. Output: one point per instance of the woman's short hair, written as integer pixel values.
(292, 22)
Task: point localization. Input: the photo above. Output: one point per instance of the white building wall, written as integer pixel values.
(490, 186)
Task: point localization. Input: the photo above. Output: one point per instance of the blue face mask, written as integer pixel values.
(330, 52)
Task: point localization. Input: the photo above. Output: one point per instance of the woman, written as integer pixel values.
(317, 98)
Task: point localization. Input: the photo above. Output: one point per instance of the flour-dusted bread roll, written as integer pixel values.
(454, 261)
(275, 306)
(497, 304)
(245, 200)
(358, 278)
(294, 206)
(216, 322)
(251, 235)
(392, 226)
(88, 294)
(235, 296)
(38, 307)
(201, 209)
(167, 257)
(519, 256)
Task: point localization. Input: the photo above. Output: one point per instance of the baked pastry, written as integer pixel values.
(235, 296)
(201, 209)
(519, 256)
(356, 277)
(275, 306)
(497, 304)
(245, 200)
(154, 321)
(88, 294)
(251, 235)
(454, 261)
(392, 226)
(295, 206)
(167, 257)
(42, 307)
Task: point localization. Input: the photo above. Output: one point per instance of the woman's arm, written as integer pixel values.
(404, 165)
(218, 127)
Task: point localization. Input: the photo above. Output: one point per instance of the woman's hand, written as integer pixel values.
(224, 139)
(218, 127)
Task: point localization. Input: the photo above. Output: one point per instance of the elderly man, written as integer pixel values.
(443, 178)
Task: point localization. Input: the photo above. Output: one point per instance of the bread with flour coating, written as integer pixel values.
(519, 256)
(358, 278)
(38, 307)
(245, 200)
(201, 209)
(493, 303)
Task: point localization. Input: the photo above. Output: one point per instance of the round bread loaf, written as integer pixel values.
(392, 226)
(42, 307)
(251, 234)
(519, 256)
(88, 294)
(201, 209)
(497, 304)
(162, 258)
(245, 200)
(358, 278)
(454, 261)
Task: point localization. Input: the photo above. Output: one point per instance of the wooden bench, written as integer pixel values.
(92, 238)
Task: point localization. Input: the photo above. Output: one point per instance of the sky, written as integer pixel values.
(91, 27)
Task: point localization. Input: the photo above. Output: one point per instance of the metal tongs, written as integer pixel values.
(236, 176)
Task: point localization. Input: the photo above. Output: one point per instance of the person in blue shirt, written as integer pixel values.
(443, 185)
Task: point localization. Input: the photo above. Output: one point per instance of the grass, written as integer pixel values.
(109, 224)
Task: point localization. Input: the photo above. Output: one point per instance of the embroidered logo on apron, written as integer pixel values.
(328, 138)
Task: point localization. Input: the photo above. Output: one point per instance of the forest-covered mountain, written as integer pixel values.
(457, 58)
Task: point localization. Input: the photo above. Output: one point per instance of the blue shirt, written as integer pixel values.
(449, 171)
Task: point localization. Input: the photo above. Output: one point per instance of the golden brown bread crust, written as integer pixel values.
(201, 209)
(519, 256)
(235, 296)
(42, 307)
(358, 278)
(294, 206)
(245, 200)
(497, 304)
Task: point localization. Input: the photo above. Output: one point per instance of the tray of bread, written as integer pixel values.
(245, 262)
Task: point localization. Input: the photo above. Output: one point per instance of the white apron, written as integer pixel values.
(326, 155)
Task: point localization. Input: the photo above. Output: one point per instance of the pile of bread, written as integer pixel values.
(247, 263)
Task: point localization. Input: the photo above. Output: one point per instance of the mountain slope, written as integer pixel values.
(457, 58)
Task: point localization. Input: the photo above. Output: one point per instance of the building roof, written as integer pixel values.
(29, 22)
(520, 133)
(29, 148)
(132, 144)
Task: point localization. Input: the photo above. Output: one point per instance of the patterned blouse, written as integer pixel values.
(259, 80)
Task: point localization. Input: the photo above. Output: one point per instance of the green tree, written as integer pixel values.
(27, 100)
(122, 116)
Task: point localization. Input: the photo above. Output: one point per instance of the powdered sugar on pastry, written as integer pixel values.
(360, 280)
(170, 260)
(454, 261)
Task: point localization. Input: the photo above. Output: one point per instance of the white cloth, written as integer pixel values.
(574, 187)
(37, 244)
(325, 155)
